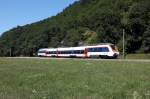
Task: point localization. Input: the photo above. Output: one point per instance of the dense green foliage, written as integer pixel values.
(85, 22)
(73, 79)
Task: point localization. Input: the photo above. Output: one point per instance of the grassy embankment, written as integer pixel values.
(138, 56)
(73, 79)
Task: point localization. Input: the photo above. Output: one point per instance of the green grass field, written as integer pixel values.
(73, 79)
(138, 56)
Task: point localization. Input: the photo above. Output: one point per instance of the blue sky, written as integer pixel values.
(21, 12)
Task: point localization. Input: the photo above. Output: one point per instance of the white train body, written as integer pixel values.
(102, 51)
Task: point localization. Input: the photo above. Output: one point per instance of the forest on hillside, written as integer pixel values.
(82, 23)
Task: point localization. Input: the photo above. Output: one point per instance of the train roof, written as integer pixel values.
(76, 48)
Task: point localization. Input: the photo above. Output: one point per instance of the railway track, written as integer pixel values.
(90, 59)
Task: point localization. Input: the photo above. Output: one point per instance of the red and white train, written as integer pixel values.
(98, 51)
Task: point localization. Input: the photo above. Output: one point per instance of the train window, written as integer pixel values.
(50, 52)
(65, 52)
(95, 49)
(90, 49)
(105, 49)
(71, 52)
(77, 51)
(68, 52)
(47, 52)
(99, 49)
(54, 52)
(61, 52)
(82, 51)
(42, 52)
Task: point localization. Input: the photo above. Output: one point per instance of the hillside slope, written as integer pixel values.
(84, 22)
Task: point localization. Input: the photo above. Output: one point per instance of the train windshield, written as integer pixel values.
(114, 47)
(41, 51)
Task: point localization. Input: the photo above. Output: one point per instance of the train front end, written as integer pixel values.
(114, 51)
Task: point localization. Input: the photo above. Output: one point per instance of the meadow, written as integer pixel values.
(73, 79)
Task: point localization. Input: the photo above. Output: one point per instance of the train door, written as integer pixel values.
(86, 52)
